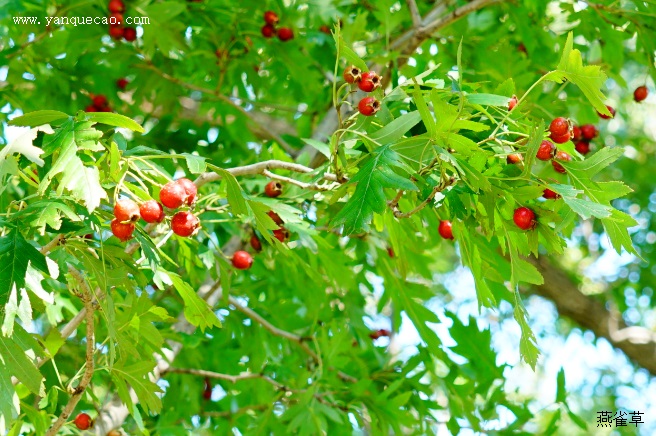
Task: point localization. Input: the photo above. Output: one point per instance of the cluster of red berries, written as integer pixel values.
(99, 103)
(116, 28)
(269, 29)
(367, 81)
(172, 195)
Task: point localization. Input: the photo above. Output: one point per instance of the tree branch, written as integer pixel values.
(639, 344)
(52, 244)
(414, 13)
(308, 186)
(227, 377)
(89, 366)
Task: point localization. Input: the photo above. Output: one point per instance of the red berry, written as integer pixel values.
(275, 217)
(368, 106)
(271, 18)
(524, 218)
(116, 6)
(83, 421)
(640, 93)
(512, 102)
(90, 108)
(546, 150)
(268, 31)
(560, 139)
(273, 189)
(445, 229)
(123, 231)
(122, 83)
(130, 34)
(99, 101)
(256, 243)
(190, 190)
(589, 131)
(369, 81)
(281, 234)
(325, 29)
(606, 117)
(151, 211)
(379, 333)
(583, 147)
(242, 260)
(352, 74)
(390, 252)
(126, 210)
(559, 126)
(285, 34)
(550, 195)
(576, 133)
(514, 158)
(184, 223)
(172, 195)
(116, 32)
(207, 392)
(561, 155)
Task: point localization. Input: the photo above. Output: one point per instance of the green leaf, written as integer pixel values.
(116, 120)
(426, 116)
(16, 254)
(591, 166)
(319, 146)
(234, 192)
(20, 366)
(9, 403)
(527, 343)
(369, 196)
(196, 310)
(37, 118)
(488, 99)
(534, 141)
(351, 57)
(561, 392)
(136, 376)
(196, 164)
(589, 79)
(397, 128)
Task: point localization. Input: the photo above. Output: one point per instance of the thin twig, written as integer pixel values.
(256, 407)
(89, 366)
(227, 377)
(414, 13)
(273, 329)
(52, 244)
(308, 186)
(273, 135)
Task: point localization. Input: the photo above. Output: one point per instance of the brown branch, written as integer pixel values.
(217, 94)
(227, 377)
(414, 13)
(89, 366)
(637, 343)
(308, 186)
(273, 329)
(52, 244)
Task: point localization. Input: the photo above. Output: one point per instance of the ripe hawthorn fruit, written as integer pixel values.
(589, 132)
(271, 18)
(640, 93)
(560, 155)
(606, 117)
(207, 392)
(273, 189)
(512, 103)
(524, 218)
(242, 260)
(122, 83)
(576, 133)
(546, 150)
(281, 234)
(190, 190)
(325, 29)
(369, 81)
(172, 195)
(99, 101)
(559, 126)
(352, 74)
(285, 34)
(115, 19)
(275, 217)
(560, 139)
(126, 210)
(116, 32)
(514, 158)
(123, 231)
(550, 195)
(184, 224)
(390, 252)
(445, 229)
(256, 243)
(151, 211)
(268, 31)
(582, 147)
(83, 421)
(368, 106)
(116, 6)
(130, 34)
